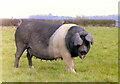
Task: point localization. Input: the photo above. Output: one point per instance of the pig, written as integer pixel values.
(50, 41)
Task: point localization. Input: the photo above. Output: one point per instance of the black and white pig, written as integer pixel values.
(49, 41)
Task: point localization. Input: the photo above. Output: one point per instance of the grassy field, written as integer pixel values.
(100, 65)
(0, 55)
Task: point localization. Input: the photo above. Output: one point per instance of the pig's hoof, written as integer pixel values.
(70, 70)
(32, 67)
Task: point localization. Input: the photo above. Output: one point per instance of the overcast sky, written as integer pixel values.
(25, 8)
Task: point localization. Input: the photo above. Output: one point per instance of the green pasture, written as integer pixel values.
(100, 64)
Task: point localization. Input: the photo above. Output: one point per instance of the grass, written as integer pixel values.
(0, 55)
(100, 65)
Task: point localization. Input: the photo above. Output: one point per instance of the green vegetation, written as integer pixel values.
(100, 65)
(0, 55)
(78, 21)
(92, 22)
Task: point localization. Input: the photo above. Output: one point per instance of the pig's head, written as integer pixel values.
(81, 42)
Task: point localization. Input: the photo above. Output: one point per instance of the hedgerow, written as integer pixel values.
(82, 22)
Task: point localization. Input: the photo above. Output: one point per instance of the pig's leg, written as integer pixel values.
(19, 51)
(29, 57)
(69, 62)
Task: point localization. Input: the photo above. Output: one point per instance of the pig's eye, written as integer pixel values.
(78, 46)
(87, 43)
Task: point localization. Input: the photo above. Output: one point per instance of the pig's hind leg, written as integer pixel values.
(29, 57)
(20, 48)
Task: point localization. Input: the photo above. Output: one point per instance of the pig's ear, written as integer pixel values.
(89, 38)
(77, 39)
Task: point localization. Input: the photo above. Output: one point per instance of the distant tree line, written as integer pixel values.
(82, 22)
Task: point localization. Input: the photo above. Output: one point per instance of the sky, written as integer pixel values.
(25, 8)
